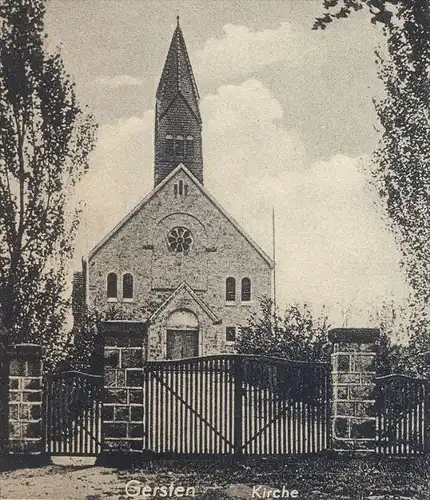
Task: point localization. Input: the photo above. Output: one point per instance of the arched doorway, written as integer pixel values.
(182, 335)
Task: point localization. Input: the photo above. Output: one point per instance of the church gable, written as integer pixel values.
(179, 199)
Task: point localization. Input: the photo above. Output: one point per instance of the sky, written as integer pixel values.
(288, 123)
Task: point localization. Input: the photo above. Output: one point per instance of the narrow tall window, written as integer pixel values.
(246, 290)
(112, 286)
(169, 144)
(127, 286)
(230, 289)
(179, 145)
(189, 147)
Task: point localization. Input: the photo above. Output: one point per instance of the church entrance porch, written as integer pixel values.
(182, 344)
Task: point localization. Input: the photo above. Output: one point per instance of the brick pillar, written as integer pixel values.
(124, 355)
(353, 387)
(25, 400)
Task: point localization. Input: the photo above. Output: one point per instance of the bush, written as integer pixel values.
(298, 335)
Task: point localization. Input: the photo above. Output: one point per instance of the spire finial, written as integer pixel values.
(177, 21)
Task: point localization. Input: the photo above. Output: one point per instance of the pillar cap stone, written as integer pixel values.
(124, 327)
(356, 335)
(26, 349)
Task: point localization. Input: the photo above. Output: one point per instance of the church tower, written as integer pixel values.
(178, 124)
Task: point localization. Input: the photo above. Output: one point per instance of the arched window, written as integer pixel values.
(179, 145)
(230, 289)
(169, 144)
(246, 290)
(127, 286)
(189, 147)
(112, 286)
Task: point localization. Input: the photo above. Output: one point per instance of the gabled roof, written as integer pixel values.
(185, 288)
(204, 191)
(177, 77)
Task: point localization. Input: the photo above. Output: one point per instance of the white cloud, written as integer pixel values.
(240, 51)
(324, 79)
(121, 173)
(117, 81)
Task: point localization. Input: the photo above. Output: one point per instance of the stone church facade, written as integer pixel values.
(178, 267)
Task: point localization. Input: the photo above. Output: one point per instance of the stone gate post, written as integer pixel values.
(25, 400)
(124, 355)
(4, 393)
(353, 422)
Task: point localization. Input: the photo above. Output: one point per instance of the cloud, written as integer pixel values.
(117, 81)
(240, 51)
(324, 79)
(120, 174)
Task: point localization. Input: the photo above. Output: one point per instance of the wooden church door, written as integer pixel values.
(182, 335)
(182, 344)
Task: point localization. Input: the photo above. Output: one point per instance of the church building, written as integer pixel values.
(178, 265)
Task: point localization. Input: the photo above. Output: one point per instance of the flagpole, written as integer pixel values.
(274, 258)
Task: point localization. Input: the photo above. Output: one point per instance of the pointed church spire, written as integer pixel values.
(178, 75)
(178, 120)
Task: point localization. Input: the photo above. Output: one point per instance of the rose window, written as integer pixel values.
(180, 239)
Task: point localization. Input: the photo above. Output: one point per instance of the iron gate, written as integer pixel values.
(403, 412)
(236, 404)
(72, 413)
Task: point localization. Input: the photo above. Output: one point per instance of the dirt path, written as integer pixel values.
(83, 481)
(60, 483)
(313, 478)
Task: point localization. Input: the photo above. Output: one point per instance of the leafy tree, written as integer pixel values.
(404, 339)
(45, 140)
(85, 353)
(401, 168)
(298, 335)
(391, 357)
(419, 339)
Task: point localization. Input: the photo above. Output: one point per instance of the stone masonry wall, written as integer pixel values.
(353, 385)
(25, 399)
(4, 394)
(124, 354)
